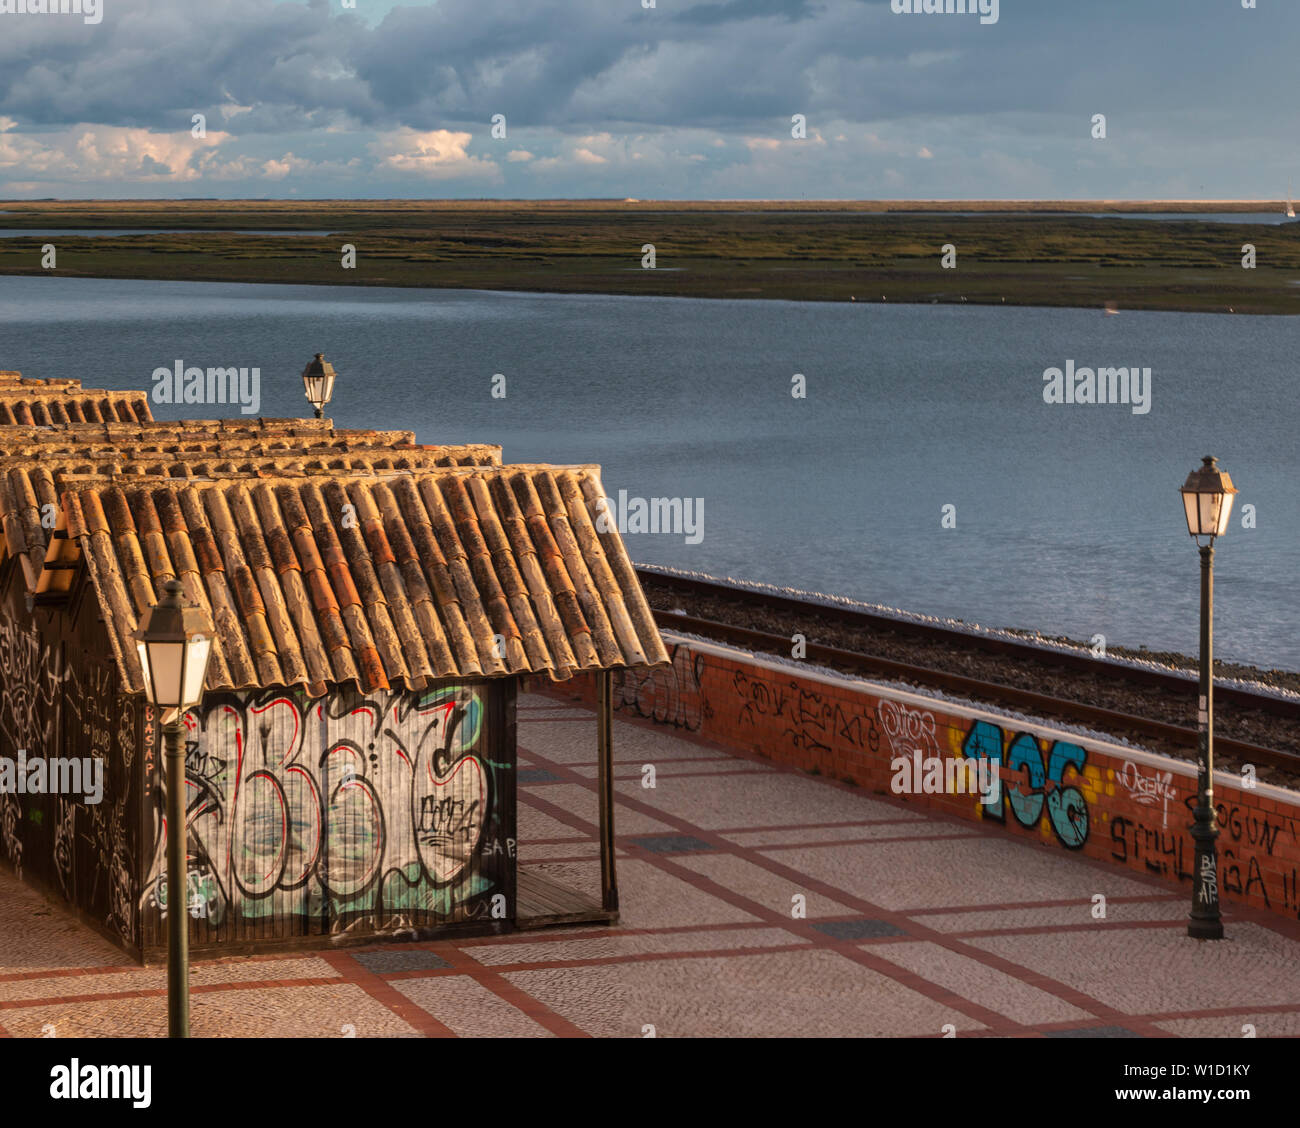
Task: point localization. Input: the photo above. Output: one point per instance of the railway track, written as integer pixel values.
(1175, 737)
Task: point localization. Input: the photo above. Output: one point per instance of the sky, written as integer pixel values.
(682, 100)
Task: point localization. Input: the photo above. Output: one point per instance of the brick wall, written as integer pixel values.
(1123, 806)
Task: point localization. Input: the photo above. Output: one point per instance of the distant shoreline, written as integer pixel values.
(1025, 253)
(1081, 207)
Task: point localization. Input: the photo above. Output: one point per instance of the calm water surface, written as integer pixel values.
(1068, 517)
(112, 232)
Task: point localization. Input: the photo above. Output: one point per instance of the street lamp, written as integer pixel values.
(318, 382)
(174, 642)
(1207, 503)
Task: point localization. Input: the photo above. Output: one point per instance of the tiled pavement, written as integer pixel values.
(915, 925)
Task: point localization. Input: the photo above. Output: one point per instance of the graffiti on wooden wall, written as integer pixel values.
(348, 812)
(49, 710)
(29, 688)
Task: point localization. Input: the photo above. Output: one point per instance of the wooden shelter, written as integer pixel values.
(375, 602)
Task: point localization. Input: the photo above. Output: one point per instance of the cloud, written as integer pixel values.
(93, 153)
(734, 10)
(375, 103)
(438, 154)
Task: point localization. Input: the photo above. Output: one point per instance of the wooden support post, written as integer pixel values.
(605, 786)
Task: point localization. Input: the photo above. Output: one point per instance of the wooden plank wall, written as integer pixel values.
(60, 701)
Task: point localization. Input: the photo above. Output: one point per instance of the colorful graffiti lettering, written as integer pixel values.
(344, 813)
(1042, 786)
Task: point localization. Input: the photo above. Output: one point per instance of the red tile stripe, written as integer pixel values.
(493, 979)
(387, 995)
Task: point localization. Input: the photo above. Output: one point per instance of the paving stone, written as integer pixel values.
(536, 775)
(857, 929)
(670, 843)
(1094, 1032)
(381, 962)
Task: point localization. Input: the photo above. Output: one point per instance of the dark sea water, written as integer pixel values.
(112, 232)
(1068, 516)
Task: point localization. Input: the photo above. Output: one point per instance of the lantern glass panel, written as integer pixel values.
(1225, 513)
(1210, 506)
(196, 667)
(143, 651)
(163, 662)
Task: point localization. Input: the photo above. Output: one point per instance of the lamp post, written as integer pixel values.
(1207, 504)
(174, 642)
(318, 383)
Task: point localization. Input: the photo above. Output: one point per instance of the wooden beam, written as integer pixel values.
(605, 786)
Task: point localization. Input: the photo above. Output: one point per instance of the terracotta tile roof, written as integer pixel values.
(51, 402)
(334, 449)
(371, 578)
(193, 433)
(35, 465)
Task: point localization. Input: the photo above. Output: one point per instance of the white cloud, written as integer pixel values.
(279, 169)
(108, 152)
(517, 155)
(439, 154)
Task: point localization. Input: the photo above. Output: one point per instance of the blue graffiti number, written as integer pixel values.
(1042, 785)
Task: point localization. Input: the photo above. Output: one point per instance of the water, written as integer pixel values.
(1268, 218)
(109, 232)
(1068, 517)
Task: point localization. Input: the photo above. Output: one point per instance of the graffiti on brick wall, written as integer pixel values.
(670, 695)
(1151, 790)
(1038, 780)
(351, 812)
(1245, 836)
(910, 731)
(1161, 851)
(1049, 786)
(814, 722)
